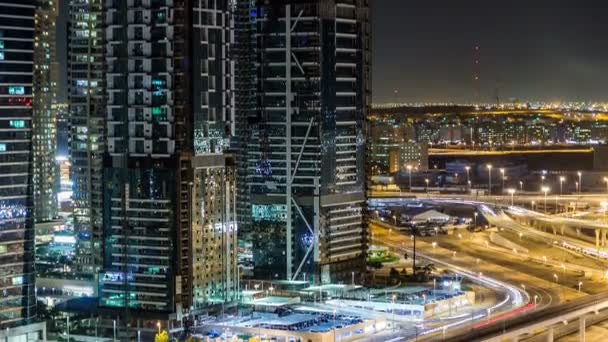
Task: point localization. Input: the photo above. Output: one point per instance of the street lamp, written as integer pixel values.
(468, 168)
(475, 216)
(489, 166)
(545, 190)
(542, 180)
(158, 326)
(521, 186)
(512, 192)
(426, 180)
(562, 179)
(502, 172)
(580, 284)
(409, 171)
(533, 203)
(580, 181)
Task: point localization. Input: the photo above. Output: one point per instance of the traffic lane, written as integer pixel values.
(395, 241)
(548, 295)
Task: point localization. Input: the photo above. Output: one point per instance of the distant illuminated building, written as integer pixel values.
(391, 147)
(87, 112)
(63, 128)
(44, 123)
(64, 195)
(414, 155)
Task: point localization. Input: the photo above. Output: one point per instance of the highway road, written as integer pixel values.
(547, 293)
(495, 215)
(524, 198)
(527, 319)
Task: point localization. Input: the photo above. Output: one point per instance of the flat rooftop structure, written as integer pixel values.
(275, 301)
(332, 288)
(307, 326)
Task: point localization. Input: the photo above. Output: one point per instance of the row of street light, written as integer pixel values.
(489, 167)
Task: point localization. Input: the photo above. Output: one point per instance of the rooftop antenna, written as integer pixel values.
(477, 72)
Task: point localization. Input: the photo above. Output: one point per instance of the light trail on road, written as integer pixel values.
(515, 296)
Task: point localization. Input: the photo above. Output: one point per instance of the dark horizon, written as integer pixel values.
(548, 50)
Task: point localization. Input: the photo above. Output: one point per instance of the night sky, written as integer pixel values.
(530, 49)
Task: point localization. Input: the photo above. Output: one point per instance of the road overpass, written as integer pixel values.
(540, 220)
(531, 323)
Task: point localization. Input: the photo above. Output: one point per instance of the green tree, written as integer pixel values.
(163, 336)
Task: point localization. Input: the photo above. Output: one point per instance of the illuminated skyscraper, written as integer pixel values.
(87, 113)
(44, 123)
(17, 274)
(307, 174)
(169, 183)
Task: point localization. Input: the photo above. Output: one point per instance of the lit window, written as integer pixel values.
(16, 90)
(17, 123)
(158, 111)
(18, 280)
(2, 147)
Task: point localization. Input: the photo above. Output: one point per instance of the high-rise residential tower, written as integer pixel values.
(44, 124)
(87, 112)
(307, 176)
(17, 276)
(169, 183)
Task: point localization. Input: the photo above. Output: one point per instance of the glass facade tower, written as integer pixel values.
(45, 172)
(17, 276)
(86, 94)
(169, 181)
(306, 170)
